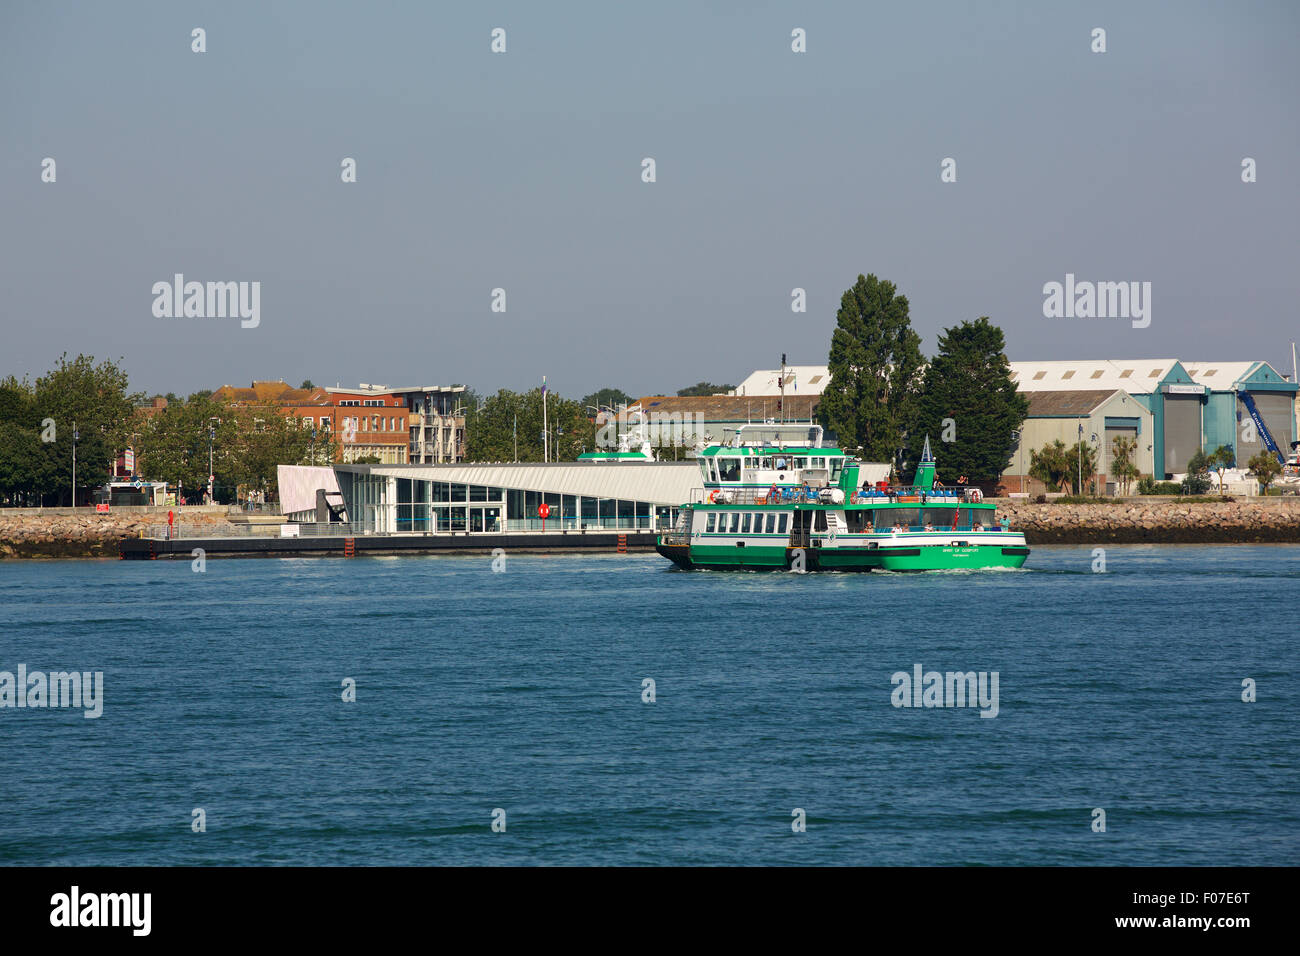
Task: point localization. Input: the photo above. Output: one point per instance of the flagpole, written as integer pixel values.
(546, 443)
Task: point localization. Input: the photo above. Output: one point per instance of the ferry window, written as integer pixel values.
(784, 524)
(728, 469)
(713, 520)
(744, 523)
(819, 522)
(940, 517)
(907, 517)
(704, 468)
(836, 465)
(771, 524)
(733, 522)
(859, 522)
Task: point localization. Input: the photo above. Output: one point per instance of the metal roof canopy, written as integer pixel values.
(664, 483)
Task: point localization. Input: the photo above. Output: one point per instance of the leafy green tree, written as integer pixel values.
(1197, 481)
(248, 444)
(171, 445)
(306, 383)
(610, 397)
(1220, 461)
(968, 404)
(1265, 468)
(265, 439)
(94, 397)
(28, 465)
(875, 367)
(704, 388)
(508, 415)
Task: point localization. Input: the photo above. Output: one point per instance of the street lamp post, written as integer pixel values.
(75, 436)
(1097, 458)
(212, 433)
(1078, 489)
(1015, 436)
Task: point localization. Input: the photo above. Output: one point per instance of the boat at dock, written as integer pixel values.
(775, 498)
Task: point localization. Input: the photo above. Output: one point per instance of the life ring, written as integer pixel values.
(713, 497)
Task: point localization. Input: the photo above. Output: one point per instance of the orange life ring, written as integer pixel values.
(713, 497)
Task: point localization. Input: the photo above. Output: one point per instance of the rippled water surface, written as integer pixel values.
(522, 690)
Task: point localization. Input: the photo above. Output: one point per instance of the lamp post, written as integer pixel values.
(1015, 437)
(212, 434)
(1078, 489)
(1097, 453)
(75, 436)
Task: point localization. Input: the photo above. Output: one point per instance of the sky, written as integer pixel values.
(774, 170)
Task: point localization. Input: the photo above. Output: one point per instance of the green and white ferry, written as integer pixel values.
(775, 498)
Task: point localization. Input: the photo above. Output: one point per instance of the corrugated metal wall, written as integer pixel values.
(1182, 431)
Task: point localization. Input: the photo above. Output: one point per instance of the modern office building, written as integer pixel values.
(396, 499)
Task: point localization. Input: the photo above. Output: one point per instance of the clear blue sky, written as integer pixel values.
(523, 171)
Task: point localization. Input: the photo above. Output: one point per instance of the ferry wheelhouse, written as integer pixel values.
(773, 497)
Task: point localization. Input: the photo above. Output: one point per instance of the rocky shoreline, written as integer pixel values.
(84, 533)
(1158, 521)
(63, 533)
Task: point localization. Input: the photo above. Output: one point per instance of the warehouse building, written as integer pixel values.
(1098, 416)
(1194, 406)
(687, 421)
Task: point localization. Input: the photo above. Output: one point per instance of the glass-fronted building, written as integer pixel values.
(492, 498)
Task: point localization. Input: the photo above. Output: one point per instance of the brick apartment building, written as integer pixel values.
(417, 425)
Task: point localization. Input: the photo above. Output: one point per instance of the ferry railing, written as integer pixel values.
(787, 495)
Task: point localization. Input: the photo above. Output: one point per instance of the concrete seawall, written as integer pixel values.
(85, 533)
(63, 533)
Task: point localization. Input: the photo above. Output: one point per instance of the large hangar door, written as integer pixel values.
(1275, 409)
(1182, 431)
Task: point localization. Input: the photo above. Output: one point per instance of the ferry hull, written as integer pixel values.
(923, 557)
(724, 558)
(953, 558)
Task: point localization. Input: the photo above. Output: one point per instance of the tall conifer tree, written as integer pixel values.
(875, 367)
(969, 406)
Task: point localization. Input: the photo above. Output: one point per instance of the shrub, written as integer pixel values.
(1149, 486)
